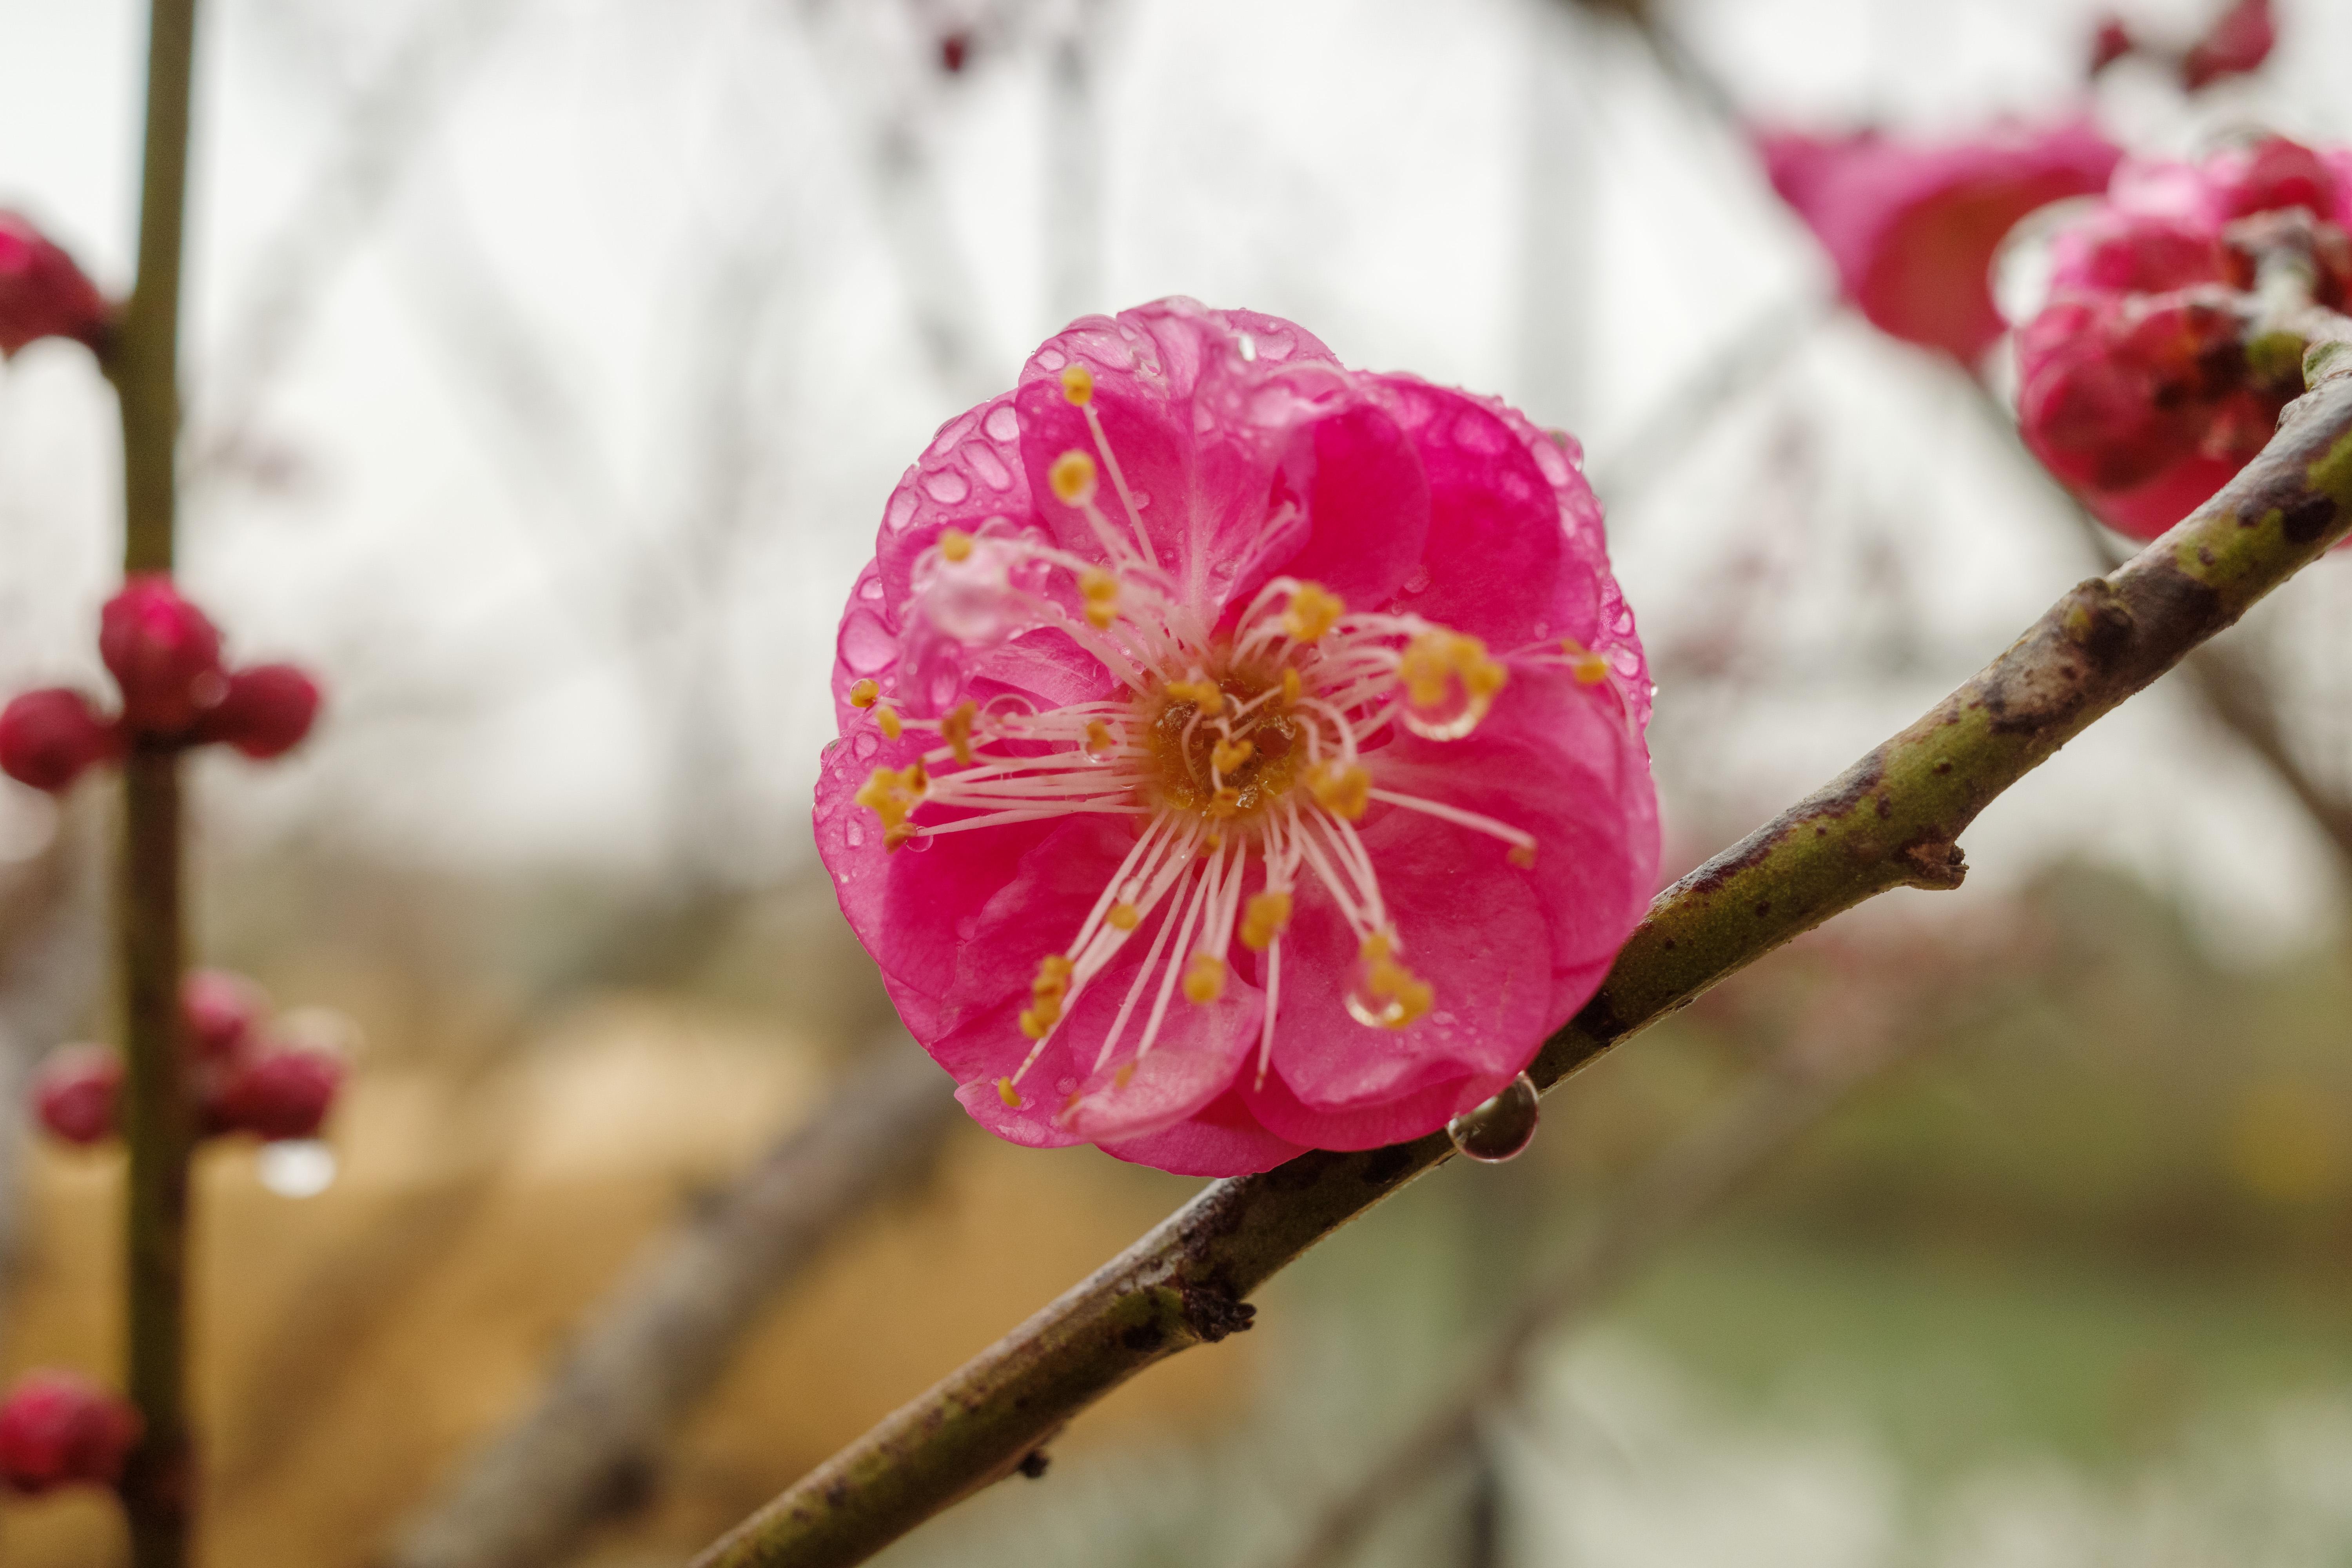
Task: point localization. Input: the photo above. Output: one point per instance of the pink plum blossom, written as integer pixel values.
(2135, 386)
(1239, 753)
(1913, 226)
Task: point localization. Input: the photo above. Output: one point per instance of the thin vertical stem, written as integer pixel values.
(143, 359)
(158, 1484)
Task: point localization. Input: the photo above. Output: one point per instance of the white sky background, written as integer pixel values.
(606, 344)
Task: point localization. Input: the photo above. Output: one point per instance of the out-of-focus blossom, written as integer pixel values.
(1239, 753)
(2136, 387)
(43, 294)
(2111, 43)
(164, 654)
(49, 738)
(58, 1428)
(78, 1092)
(2239, 41)
(222, 1012)
(1913, 226)
(284, 1092)
(265, 712)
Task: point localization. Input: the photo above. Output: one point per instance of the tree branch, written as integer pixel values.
(143, 359)
(662, 1339)
(1892, 820)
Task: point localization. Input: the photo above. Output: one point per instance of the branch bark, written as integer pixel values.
(142, 358)
(663, 1339)
(1892, 820)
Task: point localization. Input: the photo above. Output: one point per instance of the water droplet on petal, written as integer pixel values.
(854, 833)
(1417, 581)
(866, 644)
(866, 744)
(917, 844)
(1502, 1128)
(1002, 424)
(947, 486)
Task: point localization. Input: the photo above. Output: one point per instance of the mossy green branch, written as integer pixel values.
(1892, 820)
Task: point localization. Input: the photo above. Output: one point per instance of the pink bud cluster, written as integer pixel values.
(240, 1079)
(58, 1429)
(2146, 381)
(166, 657)
(43, 294)
(2237, 43)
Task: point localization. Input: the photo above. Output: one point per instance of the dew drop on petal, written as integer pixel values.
(870, 589)
(867, 745)
(866, 644)
(947, 486)
(1417, 581)
(1502, 1128)
(853, 832)
(991, 468)
(1002, 424)
(917, 844)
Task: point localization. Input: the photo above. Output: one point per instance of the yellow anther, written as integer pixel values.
(1078, 385)
(1207, 695)
(1432, 665)
(955, 544)
(1341, 789)
(892, 794)
(1046, 994)
(1072, 477)
(1007, 1093)
(1313, 611)
(1101, 591)
(1396, 995)
(1227, 756)
(1523, 855)
(1205, 979)
(956, 728)
(887, 718)
(1225, 803)
(1124, 916)
(1292, 687)
(1124, 1076)
(1590, 668)
(864, 694)
(1100, 743)
(1264, 917)
(1212, 843)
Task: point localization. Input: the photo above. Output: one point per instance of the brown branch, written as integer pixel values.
(1892, 820)
(662, 1339)
(143, 359)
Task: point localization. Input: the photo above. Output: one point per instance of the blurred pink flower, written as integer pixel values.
(2239, 41)
(1913, 226)
(2134, 385)
(1260, 742)
(58, 1428)
(42, 293)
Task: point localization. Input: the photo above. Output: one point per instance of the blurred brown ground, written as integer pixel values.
(352, 1346)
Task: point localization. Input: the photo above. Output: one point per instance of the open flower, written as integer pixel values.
(1239, 753)
(1913, 226)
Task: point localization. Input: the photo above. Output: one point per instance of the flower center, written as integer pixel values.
(1223, 757)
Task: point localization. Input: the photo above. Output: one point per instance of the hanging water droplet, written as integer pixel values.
(1502, 1128)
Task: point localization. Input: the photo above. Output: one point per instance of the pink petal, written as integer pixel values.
(1222, 1138)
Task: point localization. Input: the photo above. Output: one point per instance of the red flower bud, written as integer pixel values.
(280, 1094)
(955, 50)
(49, 738)
(164, 653)
(57, 1428)
(267, 710)
(220, 1012)
(77, 1092)
(42, 293)
(2240, 40)
(2111, 43)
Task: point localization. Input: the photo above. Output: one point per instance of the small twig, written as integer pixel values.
(662, 1339)
(1892, 820)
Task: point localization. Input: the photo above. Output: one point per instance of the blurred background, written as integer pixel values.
(549, 362)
